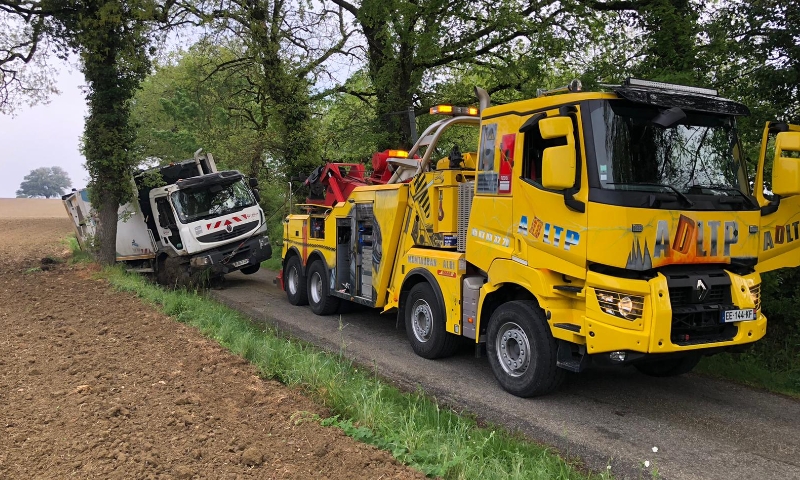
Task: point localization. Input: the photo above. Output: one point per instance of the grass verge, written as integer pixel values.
(412, 427)
(273, 263)
(748, 369)
(78, 255)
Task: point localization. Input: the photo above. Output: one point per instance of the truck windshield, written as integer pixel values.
(211, 201)
(640, 148)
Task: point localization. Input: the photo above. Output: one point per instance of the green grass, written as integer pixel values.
(411, 426)
(750, 370)
(78, 255)
(273, 263)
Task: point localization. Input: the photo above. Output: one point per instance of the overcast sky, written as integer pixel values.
(45, 136)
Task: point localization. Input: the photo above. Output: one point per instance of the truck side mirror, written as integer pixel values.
(558, 163)
(253, 182)
(786, 169)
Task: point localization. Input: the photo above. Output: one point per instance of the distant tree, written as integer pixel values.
(44, 182)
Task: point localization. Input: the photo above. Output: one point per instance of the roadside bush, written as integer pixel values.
(780, 298)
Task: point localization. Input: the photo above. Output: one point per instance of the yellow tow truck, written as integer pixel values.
(615, 227)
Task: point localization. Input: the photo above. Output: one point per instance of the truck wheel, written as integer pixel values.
(425, 324)
(295, 282)
(319, 295)
(522, 351)
(161, 271)
(668, 367)
(251, 269)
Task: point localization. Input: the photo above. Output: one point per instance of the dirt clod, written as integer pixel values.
(252, 457)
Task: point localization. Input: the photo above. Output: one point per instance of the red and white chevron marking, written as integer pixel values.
(230, 221)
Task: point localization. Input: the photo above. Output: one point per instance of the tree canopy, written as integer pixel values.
(44, 182)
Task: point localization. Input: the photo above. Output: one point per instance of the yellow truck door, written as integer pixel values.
(777, 189)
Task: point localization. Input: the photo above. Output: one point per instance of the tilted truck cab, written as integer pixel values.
(188, 221)
(616, 227)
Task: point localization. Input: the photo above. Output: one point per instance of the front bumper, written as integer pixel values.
(233, 257)
(654, 331)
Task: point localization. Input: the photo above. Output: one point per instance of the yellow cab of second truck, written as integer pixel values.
(544, 244)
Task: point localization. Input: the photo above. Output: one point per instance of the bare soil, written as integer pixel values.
(95, 383)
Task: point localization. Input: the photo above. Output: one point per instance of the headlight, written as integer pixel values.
(755, 294)
(201, 261)
(620, 305)
(625, 306)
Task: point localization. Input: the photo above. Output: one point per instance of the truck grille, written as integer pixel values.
(225, 235)
(680, 296)
(697, 320)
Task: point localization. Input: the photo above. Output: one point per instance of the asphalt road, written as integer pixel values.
(703, 428)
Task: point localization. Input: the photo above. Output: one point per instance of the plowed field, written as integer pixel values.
(94, 383)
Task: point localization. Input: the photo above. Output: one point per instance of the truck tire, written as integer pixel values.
(425, 324)
(161, 271)
(522, 351)
(251, 269)
(319, 295)
(175, 272)
(668, 367)
(295, 282)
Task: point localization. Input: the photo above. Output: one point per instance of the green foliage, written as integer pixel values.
(44, 182)
(414, 46)
(412, 427)
(111, 38)
(182, 106)
(347, 124)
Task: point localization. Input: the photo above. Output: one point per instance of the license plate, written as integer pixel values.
(241, 262)
(738, 315)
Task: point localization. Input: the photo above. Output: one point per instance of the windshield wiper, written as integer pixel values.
(724, 188)
(677, 192)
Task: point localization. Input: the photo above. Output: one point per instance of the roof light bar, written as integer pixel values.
(451, 110)
(398, 154)
(635, 82)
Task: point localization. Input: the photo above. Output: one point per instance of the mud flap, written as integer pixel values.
(572, 357)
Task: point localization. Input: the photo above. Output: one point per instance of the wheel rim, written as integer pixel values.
(421, 320)
(513, 349)
(292, 280)
(316, 287)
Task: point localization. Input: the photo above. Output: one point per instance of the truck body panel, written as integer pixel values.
(780, 221)
(134, 240)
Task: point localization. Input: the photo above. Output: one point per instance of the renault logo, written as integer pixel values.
(229, 228)
(702, 290)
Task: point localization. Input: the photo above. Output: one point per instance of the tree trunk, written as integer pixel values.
(107, 230)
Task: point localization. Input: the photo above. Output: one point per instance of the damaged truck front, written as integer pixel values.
(187, 223)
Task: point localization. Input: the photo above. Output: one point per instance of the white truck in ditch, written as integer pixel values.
(188, 221)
